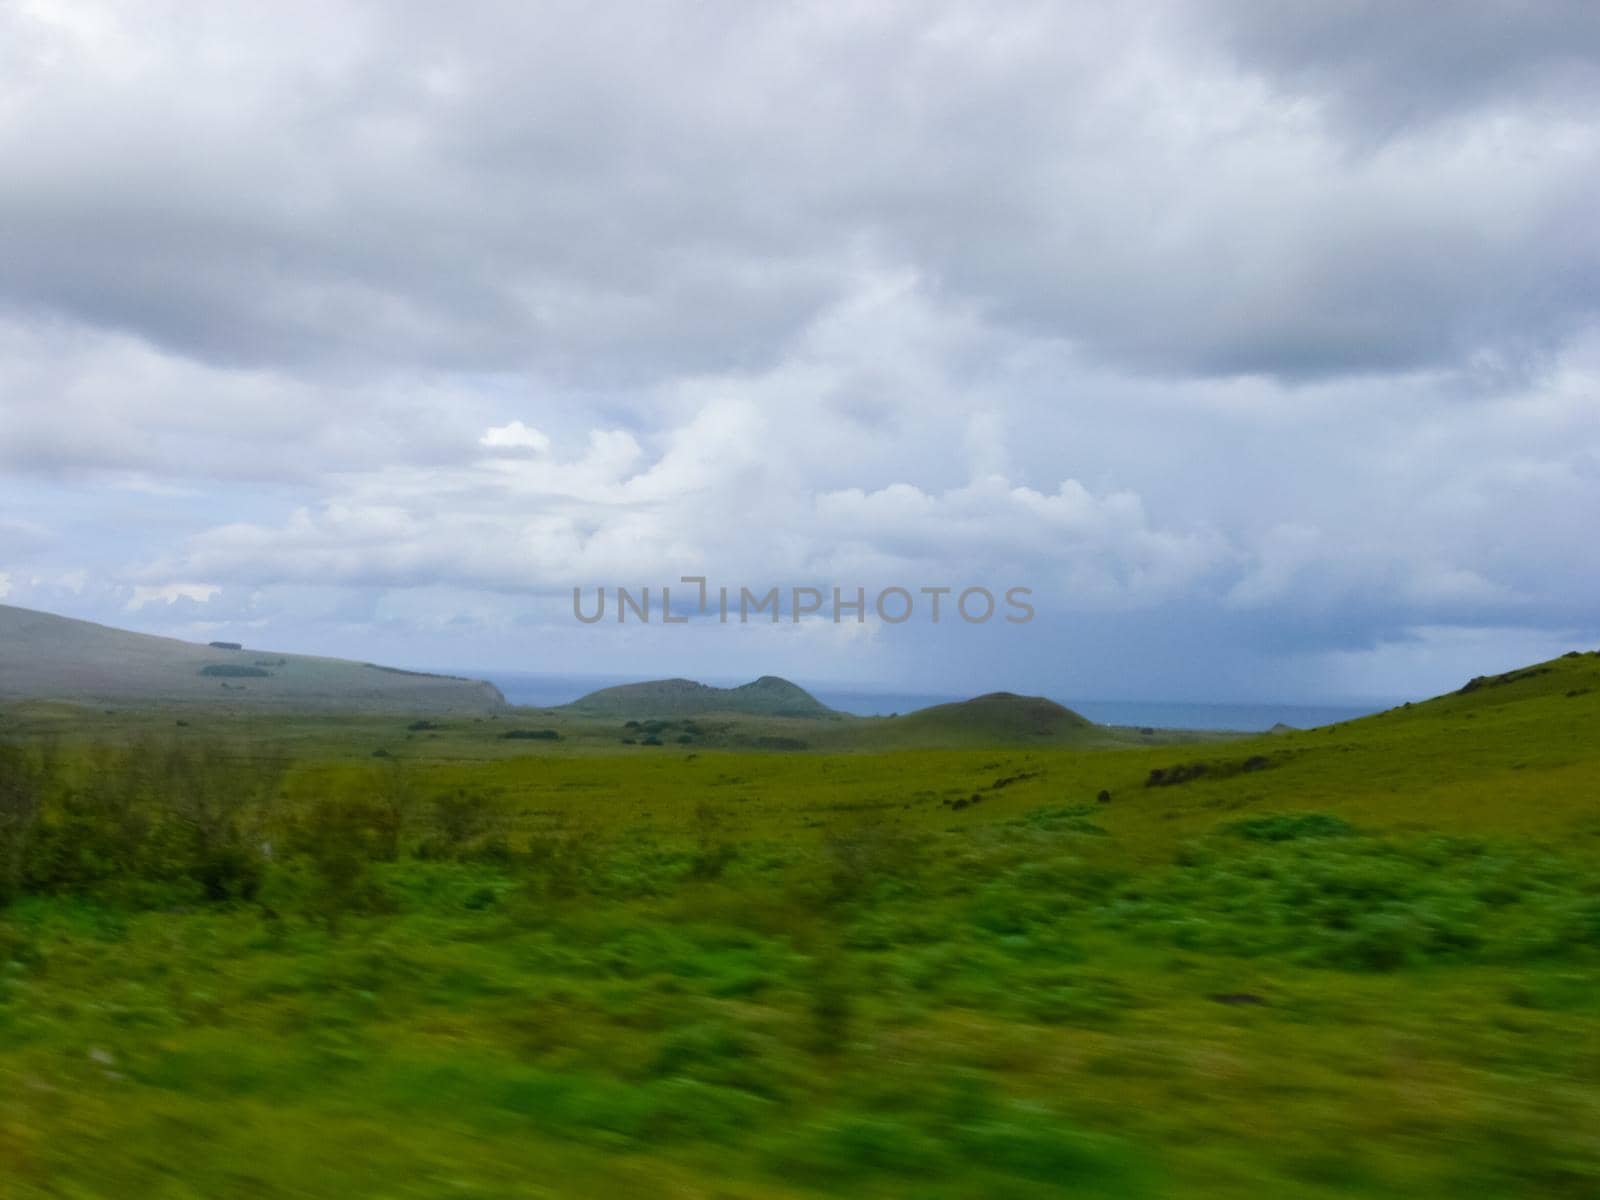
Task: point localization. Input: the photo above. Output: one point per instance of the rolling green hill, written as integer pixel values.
(768, 696)
(995, 719)
(47, 657)
(1001, 719)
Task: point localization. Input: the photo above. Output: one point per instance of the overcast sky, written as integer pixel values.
(1259, 340)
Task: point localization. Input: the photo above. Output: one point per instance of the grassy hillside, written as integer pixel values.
(1354, 961)
(46, 657)
(1000, 719)
(768, 696)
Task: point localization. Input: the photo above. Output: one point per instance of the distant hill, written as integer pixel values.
(768, 696)
(998, 718)
(46, 657)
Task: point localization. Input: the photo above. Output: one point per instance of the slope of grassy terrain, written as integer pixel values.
(46, 657)
(252, 959)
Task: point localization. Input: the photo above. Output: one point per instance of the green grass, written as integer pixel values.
(1360, 961)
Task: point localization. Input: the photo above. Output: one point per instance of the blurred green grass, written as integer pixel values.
(1367, 967)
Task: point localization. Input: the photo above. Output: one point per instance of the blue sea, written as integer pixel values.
(547, 691)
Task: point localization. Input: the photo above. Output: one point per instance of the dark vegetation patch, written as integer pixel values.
(777, 742)
(1289, 827)
(1478, 682)
(226, 645)
(423, 726)
(1008, 780)
(1220, 769)
(414, 674)
(531, 735)
(687, 732)
(229, 671)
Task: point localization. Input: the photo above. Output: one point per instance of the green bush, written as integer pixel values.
(463, 825)
(1364, 904)
(22, 784)
(338, 839)
(146, 824)
(1291, 827)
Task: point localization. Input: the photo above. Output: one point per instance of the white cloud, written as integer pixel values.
(170, 593)
(1251, 332)
(515, 436)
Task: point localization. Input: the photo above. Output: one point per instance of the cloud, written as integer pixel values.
(611, 199)
(170, 593)
(1256, 339)
(1390, 67)
(1092, 550)
(515, 436)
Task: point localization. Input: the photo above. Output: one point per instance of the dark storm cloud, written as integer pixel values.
(610, 196)
(1390, 66)
(452, 196)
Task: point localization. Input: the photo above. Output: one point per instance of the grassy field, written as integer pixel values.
(253, 956)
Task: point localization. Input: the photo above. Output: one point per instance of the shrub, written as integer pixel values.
(561, 863)
(712, 849)
(152, 824)
(464, 824)
(862, 860)
(22, 782)
(394, 793)
(1186, 772)
(338, 839)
